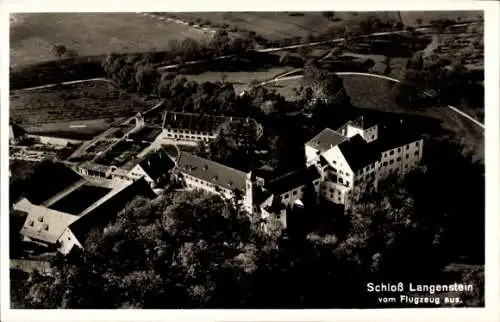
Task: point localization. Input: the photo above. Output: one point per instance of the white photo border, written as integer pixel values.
(489, 313)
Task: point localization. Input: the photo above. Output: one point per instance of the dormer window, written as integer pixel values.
(40, 218)
(214, 178)
(46, 227)
(31, 223)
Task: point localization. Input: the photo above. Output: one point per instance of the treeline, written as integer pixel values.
(445, 80)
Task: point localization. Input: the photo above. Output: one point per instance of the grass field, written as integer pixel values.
(240, 79)
(85, 129)
(75, 102)
(32, 35)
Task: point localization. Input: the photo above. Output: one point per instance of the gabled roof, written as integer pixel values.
(260, 195)
(326, 139)
(358, 153)
(157, 164)
(395, 135)
(208, 170)
(43, 223)
(293, 180)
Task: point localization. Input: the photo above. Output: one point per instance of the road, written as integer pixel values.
(310, 44)
(453, 108)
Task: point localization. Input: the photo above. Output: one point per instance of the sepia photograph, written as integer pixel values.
(246, 159)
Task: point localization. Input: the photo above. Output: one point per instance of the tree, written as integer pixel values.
(58, 50)
(235, 145)
(328, 14)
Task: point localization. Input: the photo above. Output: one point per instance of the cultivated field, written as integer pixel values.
(412, 18)
(278, 25)
(32, 35)
(75, 102)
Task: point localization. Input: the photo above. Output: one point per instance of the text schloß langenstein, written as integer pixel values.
(427, 288)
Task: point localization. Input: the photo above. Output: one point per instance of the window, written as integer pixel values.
(407, 156)
(373, 136)
(391, 162)
(385, 163)
(31, 223)
(416, 144)
(407, 146)
(416, 153)
(392, 152)
(294, 192)
(46, 227)
(340, 180)
(331, 190)
(406, 166)
(40, 218)
(399, 149)
(398, 159)
(334, 162)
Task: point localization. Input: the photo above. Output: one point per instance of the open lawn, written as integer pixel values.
(83, 130)
(240, 79)
(32, 35)
(75, 102)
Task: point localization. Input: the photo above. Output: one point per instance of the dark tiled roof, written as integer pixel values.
(260, 195)
(395, 135)
(293, 180)
(147, 133)
(157, 164)
(358, 153)
(194, 122)
(211, 171)
(326, 139)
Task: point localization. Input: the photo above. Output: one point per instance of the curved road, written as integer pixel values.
(454, 109)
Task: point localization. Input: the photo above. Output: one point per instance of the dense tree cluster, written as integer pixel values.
(448, 81)
(235, 145)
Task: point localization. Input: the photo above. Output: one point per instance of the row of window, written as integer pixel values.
(188, 132)
(407, 147)
(398, 159)
(187, 137)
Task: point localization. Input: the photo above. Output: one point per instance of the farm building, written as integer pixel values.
(65, 220)
(212, 177)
